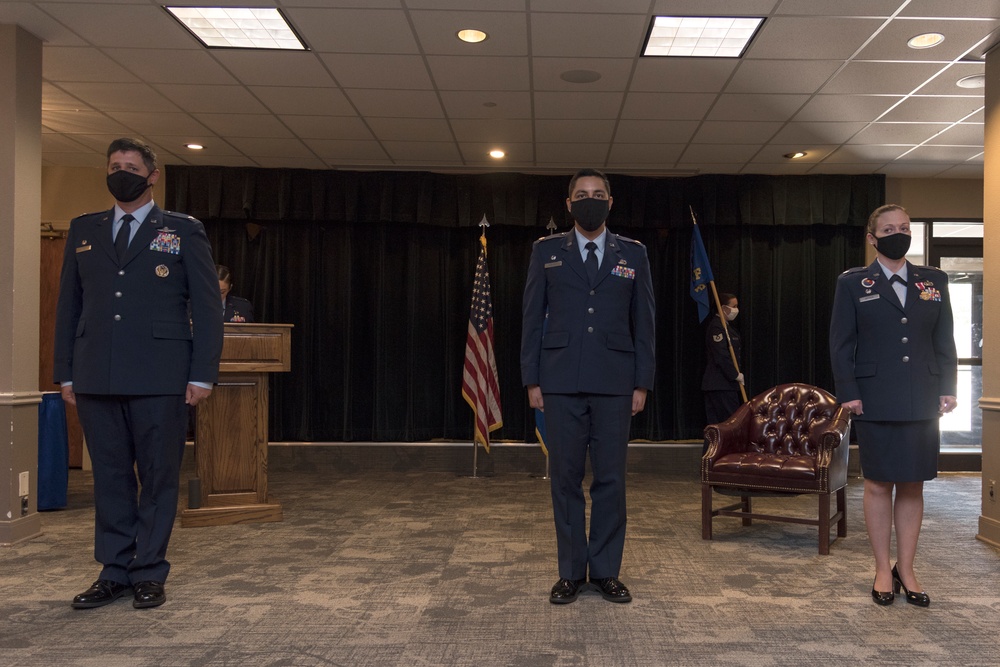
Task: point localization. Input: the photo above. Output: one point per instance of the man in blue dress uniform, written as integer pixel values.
(587, 360)
(138, 339)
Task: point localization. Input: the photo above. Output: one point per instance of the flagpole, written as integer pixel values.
(722, 316)
(483, 224)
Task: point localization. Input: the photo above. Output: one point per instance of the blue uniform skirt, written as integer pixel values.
(899, 451)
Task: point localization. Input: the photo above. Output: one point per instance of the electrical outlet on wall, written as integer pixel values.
(22, 484)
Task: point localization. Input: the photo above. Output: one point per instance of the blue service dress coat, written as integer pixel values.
(898, 360)
(125, 330)
(720, 373)
(237, 309)
(588, 346)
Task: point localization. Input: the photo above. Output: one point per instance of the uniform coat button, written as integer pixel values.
(903, 321)
(590, 329)
(117, 318)
(906, 359)
(905, 340)
(121, 272)
(118, 294)
(590, 310)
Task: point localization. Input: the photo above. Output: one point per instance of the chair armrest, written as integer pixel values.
(727, 437)
(837, 431)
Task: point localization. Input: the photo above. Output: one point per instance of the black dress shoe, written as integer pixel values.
(149, 594)
(566, 590)
(919, 599)
(100, 593)
(612, 589)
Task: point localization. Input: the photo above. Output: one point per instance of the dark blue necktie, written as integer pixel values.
(897, 279)
(591, 263)
(121, 240)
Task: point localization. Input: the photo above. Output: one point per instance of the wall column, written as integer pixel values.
(989, 519)
(20, 208)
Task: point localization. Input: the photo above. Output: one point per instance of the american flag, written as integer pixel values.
(479, 379)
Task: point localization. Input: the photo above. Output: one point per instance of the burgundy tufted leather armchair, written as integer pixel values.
(791, 439)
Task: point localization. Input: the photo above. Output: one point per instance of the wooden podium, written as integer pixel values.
(231, 429)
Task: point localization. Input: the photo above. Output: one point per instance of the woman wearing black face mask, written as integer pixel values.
(721, 382)
(895, 368)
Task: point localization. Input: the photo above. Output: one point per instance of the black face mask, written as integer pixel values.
(125, 186)
(590, 213)
(893, 246)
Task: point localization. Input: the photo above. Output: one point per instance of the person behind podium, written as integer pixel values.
(130, 359)
(234, 308)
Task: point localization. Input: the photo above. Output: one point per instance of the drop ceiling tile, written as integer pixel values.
(725, 132)
(582, 130)
(257, 147)
(897, 133)
(221, 161)
(479, 73)
(577, 105)
(578, 154)
(911, 170)
(110, 97)
(82, 122)
(508, 32)
(842, 108)
(815, 38)
(275, 68)
(167, 124)
(423, 151)
(374, 70)
(211, 99)
(842, 168)
(471, 5)
(332, 149)
(818, 133)
(744, 107)
(974, 171)
(947, 82)
(291, 163)
(304, 101)
(664, 155)
(82, 64)
(396, 103)
(865, 153)
(717, 153)
(964, 134)
(244, 125)
(338, 30)
(775, 153)
(883, 8)
(94, 159)
(784, 168)
(515, 152)
(214, 146)
(404, 129)
(682, 75)
(667, 106)
(655, 131)
(546, 73)
(966, 8)
(591, 6)
(953, 154)
(934, 109)
(38, 23)
(869, 78)
(328, 127)
(959, 36)
(122, 25)
(606, 35)
(777, 76)
(468, 130)
(172, 66)
(56, 99)
(487, 104)
(715, 7)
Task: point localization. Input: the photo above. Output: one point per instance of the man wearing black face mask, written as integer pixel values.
(895, 368)
(587, 360)
(131, 359)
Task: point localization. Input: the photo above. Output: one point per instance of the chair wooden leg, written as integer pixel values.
(824, 523)
(746, 508)
(706, 511)
(842, 508)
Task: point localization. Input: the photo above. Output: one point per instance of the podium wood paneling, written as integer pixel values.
(231, 429)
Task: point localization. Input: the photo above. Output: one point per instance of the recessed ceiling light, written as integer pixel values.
(925, 41)
(700, 36)
(238, 27)
(472, 36)
(974, 81)
(795, 156)
(497, 154)
(195, 147)
(580, 76)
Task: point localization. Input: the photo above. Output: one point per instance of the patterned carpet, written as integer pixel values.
(430, 568)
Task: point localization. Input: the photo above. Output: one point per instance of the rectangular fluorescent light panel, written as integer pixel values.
(700, 36)
(238, 27)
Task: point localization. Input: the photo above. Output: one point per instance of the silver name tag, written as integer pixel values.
(869, 298)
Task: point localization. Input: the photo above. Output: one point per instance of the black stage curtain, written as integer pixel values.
(375, 271)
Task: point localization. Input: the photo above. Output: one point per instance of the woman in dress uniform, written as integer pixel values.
(234, 308)
(721, 382)
(895, 368)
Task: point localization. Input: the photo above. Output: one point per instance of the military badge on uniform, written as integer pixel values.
(717, 338)
(929, 294)
(623, 272)
(83, 247)
(166, 242)
(868, 282)
(162, 271)
(622, 262)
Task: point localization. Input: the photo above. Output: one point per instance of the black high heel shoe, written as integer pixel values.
(919, 599)
(881, 598)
